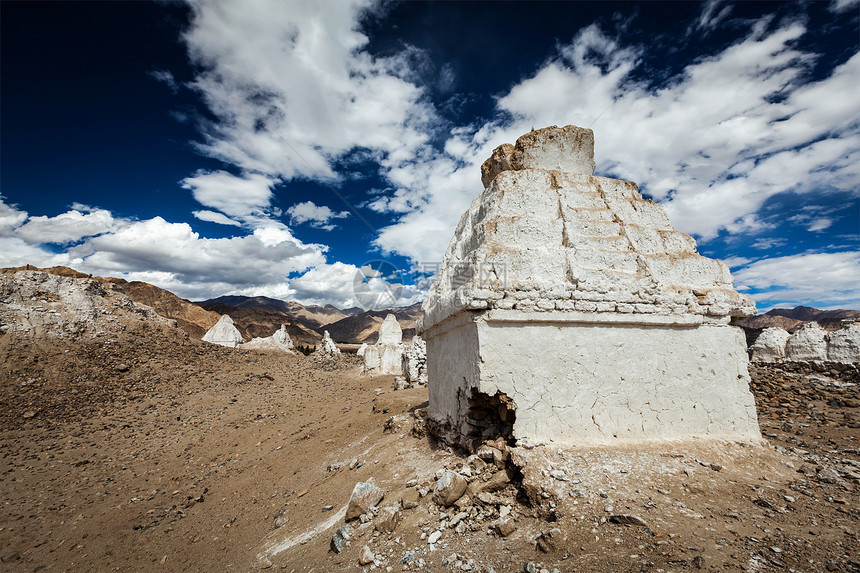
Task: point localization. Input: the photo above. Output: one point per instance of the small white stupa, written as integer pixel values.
(224, 333)
(384, 357)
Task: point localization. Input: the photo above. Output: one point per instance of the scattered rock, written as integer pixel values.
(624, 519)
(550, 541)
(434, 537)
(409, 499)
(387, 519)
(364, 496)
(505, 526)
(450, 487)
(366, 556)
(340, 537)
(281, 518)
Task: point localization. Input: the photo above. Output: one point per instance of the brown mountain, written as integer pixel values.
(791, 318)
(189, 317)
(364, 327)
(312, 315)
(262, 322)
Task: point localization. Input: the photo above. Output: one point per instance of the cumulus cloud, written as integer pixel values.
(292, 88)
(235, 196)
(10, 218)
(712, 144)
(316, 215)
(67, 227)
(349, 286)
(808, 278)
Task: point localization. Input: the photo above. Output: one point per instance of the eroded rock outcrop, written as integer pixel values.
(224, 333)
(770, 345)
(41, 304)
(279, 341)
(633, 324)
(384, 357)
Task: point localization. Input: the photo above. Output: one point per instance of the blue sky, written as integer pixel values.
(275, 147)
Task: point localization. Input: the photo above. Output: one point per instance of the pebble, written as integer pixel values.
(434, 537)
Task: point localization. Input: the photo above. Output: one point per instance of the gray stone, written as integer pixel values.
(340, 537)
(506, 526)
(624, 519)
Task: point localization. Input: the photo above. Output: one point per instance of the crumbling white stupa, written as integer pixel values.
(279, 341)
(384, 357)
(843, 345)
(770, 345)
(809, 343)
(327, 348)
(568, 310)
(224, 333)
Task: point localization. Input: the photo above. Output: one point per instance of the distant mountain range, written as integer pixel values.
(791, 318)
(306, 324)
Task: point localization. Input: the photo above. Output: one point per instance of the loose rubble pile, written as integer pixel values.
(224, 333)
(477, 494)
(384, 357)
(584, 268)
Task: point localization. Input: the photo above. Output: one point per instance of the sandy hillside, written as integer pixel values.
(142, 449)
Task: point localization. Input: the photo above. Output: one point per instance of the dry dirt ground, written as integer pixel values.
(157, 453)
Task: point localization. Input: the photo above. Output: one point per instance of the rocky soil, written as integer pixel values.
(144, 449)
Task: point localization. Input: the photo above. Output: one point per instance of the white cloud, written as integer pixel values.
(167, 78)
(809, 278)
(292, 87)
(316, 215)
(843, 5)
(712, 144)
(818, 225)
(10, 218)
(714, 12)
(68, 227)
(347, 286)
(241, 197)
(215, 217)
